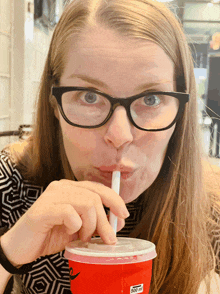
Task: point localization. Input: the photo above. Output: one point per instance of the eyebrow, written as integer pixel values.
(101, 84)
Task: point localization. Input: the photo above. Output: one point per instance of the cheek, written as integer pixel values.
(77, 138)
(163, 143)
(156, 143)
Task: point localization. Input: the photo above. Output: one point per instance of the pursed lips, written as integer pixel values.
(106, 171)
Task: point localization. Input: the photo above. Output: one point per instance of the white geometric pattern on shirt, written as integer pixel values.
(49, 274)
(16, 195)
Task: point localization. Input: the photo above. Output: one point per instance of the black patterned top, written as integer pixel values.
(50, 274)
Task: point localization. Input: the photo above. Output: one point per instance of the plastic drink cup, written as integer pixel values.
(125, 267)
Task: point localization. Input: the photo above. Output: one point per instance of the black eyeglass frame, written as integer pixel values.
(57, 92)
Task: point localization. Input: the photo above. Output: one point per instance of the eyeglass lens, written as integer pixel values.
(149, 112)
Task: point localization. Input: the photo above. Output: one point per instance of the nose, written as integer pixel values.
(119, 129)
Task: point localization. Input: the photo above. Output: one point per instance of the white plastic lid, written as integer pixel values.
(126, 248)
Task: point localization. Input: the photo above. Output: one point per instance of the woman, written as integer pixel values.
(56, 185)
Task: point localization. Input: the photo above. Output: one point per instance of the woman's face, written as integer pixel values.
(123, 67)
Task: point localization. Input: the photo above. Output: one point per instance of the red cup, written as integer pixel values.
(125, 267)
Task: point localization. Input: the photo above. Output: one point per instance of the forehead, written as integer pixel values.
(103, 54)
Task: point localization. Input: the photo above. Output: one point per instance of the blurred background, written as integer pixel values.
(26, 28)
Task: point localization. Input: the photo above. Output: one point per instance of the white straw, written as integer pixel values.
(116, 187)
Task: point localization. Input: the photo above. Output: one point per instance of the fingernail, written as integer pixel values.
(126, 213)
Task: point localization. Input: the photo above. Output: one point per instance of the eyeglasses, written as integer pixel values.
(147, 111)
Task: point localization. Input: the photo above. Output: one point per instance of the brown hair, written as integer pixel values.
(177, 208)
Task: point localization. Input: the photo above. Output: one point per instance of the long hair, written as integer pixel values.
(177, 206)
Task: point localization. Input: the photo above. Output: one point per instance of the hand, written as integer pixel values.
(64, 212)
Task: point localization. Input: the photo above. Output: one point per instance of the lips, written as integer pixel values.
(106, 171)
(121, 168)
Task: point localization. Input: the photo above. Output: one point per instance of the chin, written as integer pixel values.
(128, 199)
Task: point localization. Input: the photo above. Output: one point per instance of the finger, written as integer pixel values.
(74, 237)
(109, 197)
(89, 222)
(43, 218)
(120, 225)
(67, 215)
(104, 229)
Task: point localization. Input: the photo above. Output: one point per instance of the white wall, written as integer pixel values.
(5, 66)
(35, 55)
(36, 49)
(22, 60)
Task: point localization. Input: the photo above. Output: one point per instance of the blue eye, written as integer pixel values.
(90, 97)
(152, 100)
